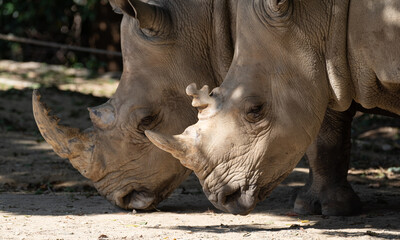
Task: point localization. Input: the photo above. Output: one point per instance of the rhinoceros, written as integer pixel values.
(300, 68)
(165, 45)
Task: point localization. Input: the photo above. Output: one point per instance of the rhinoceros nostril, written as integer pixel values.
(231, 197)
(127, 199)
(138, 200)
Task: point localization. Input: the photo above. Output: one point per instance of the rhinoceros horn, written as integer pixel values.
(205, 104)
(102, 116)
(67, 142)
(177, 145)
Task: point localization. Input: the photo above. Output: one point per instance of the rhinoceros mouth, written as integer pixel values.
(134, 199)
(242, 199)
(237, 200)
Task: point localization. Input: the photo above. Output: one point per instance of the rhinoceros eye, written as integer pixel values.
(255, 113)
(148, 122)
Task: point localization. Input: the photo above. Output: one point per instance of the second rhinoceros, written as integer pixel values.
(298, 65)
(165, 46)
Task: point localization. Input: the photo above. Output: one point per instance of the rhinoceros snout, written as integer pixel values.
(137, 200)
(235, 200)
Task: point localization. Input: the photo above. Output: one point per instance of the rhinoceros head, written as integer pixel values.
(163, 51)
(256, 126)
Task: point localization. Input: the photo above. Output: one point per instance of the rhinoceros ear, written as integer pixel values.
(274, 12)
(280, 5)
(151, 17)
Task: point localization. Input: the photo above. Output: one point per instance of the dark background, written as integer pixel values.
(86, 23)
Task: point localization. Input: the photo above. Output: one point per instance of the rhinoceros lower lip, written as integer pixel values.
(238, 207)
(139, 200)
(242, 202)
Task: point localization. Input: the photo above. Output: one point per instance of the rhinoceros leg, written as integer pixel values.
(328, 191)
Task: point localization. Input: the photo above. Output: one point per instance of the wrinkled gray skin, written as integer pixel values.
(298, 67)
(164, 49)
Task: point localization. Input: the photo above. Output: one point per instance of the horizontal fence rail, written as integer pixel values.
(12, 38)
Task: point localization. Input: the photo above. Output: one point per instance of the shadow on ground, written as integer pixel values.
(35, 181)
(28, 162)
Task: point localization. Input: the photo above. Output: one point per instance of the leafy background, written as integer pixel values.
(88, 23)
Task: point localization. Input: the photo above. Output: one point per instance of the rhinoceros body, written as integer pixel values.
(165, 47)
(299, 72)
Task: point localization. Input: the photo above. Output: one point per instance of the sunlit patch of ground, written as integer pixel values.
(43, 197)
(36, 75)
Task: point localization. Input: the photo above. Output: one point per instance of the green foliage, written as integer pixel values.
(69, 22)
(44, 17)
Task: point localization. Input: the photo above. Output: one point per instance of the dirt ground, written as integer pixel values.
(43, 197)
